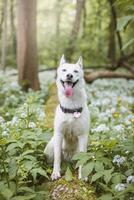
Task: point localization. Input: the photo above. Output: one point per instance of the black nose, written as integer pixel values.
(69, 76)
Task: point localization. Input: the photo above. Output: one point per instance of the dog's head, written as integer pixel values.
(69, 76)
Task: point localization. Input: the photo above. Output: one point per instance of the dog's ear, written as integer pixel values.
(62, 60)
(80, 62)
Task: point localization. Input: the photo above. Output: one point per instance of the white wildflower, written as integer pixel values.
(1, 120)
(123, 109)
(103, 117)
(101, 128)
(130, 179)
(120, 187)
(4, 133)
(41, 116)
(14, 85)
(119, 128)
(119, 160)
(32, 125)
(113, 110)
(14, 120)
(106, 102)
(23, 115)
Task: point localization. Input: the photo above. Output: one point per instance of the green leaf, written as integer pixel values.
(130, 42)
(6, 193)
(81, 155)
(28, 197)
(99, 166)
(26, 189)
(117, 178)
(107, 196)
(27, 152)
(29, 157)
(87, 169)
(12, 146)
(13, 169)
(28, 164)
(40, 171)
(96, 176)
(123, 22)
(82, 161)
(68, 175)
(105, 187)
(108, 175)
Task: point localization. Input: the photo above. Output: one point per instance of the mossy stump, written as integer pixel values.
(73, 190)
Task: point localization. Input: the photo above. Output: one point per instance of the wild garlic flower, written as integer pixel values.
(41, 116)
(119, 128)
(32, 125)
(119, 160)
(1, 120)
(23, 115)
(101, 128)
(130, 179)
(120, 187)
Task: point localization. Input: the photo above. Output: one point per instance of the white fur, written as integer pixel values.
(70, 133)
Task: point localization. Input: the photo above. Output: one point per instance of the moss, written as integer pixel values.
(51, 106)
(74, 190)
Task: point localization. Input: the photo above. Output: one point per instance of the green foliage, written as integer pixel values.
(22, 141)
(107, 163)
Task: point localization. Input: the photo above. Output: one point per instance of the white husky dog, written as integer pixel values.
(72, 119)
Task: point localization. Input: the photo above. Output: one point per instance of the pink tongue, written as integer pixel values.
(68, 90)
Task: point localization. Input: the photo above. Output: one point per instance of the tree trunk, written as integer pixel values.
(90, 77)
(13, 32)
(4, 36)
(57, 32)
(112, 44)
(27, 45)
(2, 19)
(75, 29)
(114, 14)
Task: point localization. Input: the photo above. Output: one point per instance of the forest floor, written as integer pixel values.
(108, 162)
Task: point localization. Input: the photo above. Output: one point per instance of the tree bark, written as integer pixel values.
(13, 31)
(57, 31)
(2, 19)
(4, 36)
(27, 45)
(114, 14)
(112, 44)
(75, 29)
(90, 77)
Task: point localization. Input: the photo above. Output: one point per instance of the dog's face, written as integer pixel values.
(69, 76)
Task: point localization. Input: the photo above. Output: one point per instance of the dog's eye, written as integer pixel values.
(76, 71)
(64, 70)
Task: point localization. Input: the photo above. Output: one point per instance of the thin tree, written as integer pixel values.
(27, 45)
(111, 41)
(58, 8)
(2, 18)
(75, 29)
(12, 24)
(114, 16)
(4, 36)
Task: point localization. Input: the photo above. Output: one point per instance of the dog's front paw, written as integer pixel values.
(80, 176)
(55, 175)
(83, 179)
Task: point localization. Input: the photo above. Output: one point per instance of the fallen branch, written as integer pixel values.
(90, 77)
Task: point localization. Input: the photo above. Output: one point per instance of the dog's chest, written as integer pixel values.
(71, 127)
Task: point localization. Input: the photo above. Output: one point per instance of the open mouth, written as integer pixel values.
(68, 87)
(69, 83)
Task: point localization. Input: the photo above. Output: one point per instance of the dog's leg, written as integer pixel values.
(49, 151)
(57, 155)
(82, 142)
